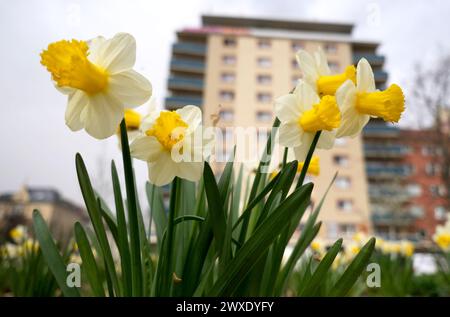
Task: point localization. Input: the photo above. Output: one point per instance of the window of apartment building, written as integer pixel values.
(414, 189)
(229, 60)
(297, 46)
(264, 43)
(345, 205)
(227, 77)
(229, 42)
(346, 229)
(440, 213)
(431, 150)
(334, 66)
(226, 95)
(264, 97)
(417, 211)
(340, 141)
(332, 230)
(264, 116)
(226, 115)
(343, 182)
(341, 160)
(330, 48)
(435, 190)
(264, 79)
(432, 169)
(264, 62)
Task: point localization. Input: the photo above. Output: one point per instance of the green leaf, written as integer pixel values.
(260, 241)
(321, 271)
(88, 264)
(51, 255)
(354, 270)
(225, 178)
(158, 213)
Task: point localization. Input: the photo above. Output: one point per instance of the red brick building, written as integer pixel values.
(427, 194)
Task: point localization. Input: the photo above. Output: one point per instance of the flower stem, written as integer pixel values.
(302, 176)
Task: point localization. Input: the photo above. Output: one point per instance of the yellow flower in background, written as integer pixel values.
(302, 114)
(18, 234)
(318, 75)
(442, 237)
(361, 238)
(28, 246)
(314, 166)
(98, 78)
(172, 144)
(359, 103)
(132, 119)
(318, 246)
(407, 248)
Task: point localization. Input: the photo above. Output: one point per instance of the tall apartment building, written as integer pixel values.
(235, 68)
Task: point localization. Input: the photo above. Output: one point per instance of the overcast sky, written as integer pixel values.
(36, 146)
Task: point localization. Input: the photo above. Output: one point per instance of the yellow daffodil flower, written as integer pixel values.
(318, 75)
(313, 168)
(407, 248)
(302, 114)
(359, 103)
(168, 143)
(98, 78)
(442, 237)
(18, 234)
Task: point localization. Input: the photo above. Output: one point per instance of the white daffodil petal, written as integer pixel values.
(287, 108)
(148, 121)
(307, 65)
(364, 76)
(191, 171)
(102, 116)
(306, 96)
(95, 45)
(290, 134)
(162, 171)
(326, 140)
(192, 115)
(322, 62)
(146, 148)
(302, 150)
(352, 123)
(130, 87)
(117, 54)
(345, 95)
(77, 102)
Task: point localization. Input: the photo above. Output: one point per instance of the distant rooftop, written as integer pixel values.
(292, 25)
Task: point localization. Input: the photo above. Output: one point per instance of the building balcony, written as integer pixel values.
(177, 101)
(380, 130)
(381, 150)
(393, 218)
(189, 48)
(386, 171)
(380, 75)
(387, 192)
(187, 65)
(185, 83)
(373, 59)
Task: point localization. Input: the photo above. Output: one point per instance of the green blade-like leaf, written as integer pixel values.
(321, 271)
(88, 264)
(260, 241)
(51, 255)
(158, 213)
(354, 270)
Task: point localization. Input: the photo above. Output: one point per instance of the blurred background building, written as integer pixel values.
(233, 68)
(17, 208)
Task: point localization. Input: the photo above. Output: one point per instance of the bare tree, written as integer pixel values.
(431, 98)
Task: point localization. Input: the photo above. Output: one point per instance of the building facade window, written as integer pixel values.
(264, 62)
(228, 77)
(440, 213)
(432, 169)
(297, 46)
(330, 48)
(226, 95)
(229, 42)
(347, 229)
(340, 142)
(341, 160)
(417, 211)
(435, 190)
(264, 97)
(343, 182)
(334, 66)
(414, 189)
(264, 43)
(229, 60)
(345, 205)
(264, 79)
(264, 116)
(226, 115)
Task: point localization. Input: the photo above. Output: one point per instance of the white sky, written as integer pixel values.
(38, 149)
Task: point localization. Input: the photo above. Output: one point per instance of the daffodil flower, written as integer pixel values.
(317, 73)
(172, 144)
(313, 168)
(359, 103)
(98, 78)
(18, 234)
(302, 114)
(442, 237)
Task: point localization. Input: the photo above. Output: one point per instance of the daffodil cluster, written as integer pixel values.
(442, 237)
(403, 248)
(21, 246)
(333, 105)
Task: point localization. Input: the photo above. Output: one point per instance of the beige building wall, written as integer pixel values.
(284, 72)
